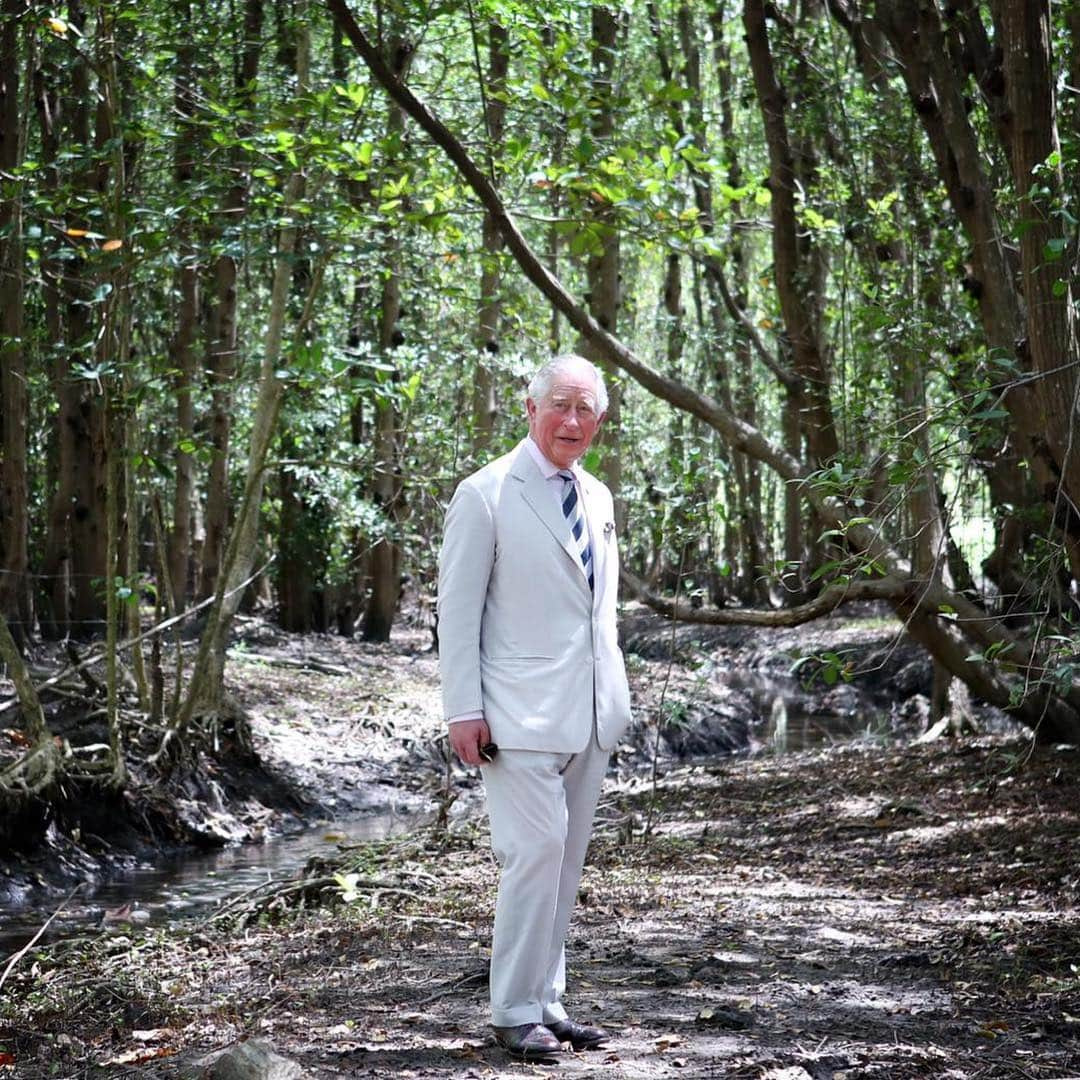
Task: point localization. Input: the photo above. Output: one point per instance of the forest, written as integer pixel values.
(274, 275)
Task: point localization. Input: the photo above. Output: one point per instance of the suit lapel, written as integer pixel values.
(536, 492)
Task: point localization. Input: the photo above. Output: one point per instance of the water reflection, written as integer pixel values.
(778, 726)
(189, 884)
(796, 720)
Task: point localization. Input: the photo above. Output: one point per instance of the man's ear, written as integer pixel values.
(530, 407)
(600, 419)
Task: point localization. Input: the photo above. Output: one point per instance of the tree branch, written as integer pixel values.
(741, 435)
(828, 600)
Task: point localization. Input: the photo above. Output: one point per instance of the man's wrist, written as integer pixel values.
(462, 718)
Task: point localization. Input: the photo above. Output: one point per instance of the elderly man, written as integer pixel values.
(534, 685)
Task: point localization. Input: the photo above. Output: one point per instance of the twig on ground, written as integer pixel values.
(16, 957)
(476, 977)
(324, 667)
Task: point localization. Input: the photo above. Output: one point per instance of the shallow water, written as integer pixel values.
(185, 885)
(794, 720)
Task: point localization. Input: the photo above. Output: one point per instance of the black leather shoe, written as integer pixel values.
(528, 1041)
(579, 1036)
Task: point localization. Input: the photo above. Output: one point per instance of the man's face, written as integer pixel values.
(564, 422)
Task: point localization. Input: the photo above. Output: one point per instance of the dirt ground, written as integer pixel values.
(873, 909)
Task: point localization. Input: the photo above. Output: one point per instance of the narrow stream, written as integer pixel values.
(185, 885)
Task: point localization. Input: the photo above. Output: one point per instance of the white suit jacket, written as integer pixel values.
(522, 638)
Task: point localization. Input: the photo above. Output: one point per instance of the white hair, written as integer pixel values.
(540, 384)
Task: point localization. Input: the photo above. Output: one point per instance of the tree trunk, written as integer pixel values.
(385, 555)
(296, 547)
(385, 559)
(1049, 347)
(74, 563)
(187, 313)
(484, 403)
(223, 342)
(790, 268)
(602, 268)
(15, 596)
(54, 593)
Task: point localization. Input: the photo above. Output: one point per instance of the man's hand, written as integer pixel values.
(466, 737)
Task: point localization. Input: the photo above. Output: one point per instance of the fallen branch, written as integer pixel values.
(307, 664)
(36, 938)
(827, 600)
(286, 893)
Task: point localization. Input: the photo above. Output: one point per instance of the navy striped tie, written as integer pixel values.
(571, 508)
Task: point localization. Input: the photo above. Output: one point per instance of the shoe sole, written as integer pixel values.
(532, 1055)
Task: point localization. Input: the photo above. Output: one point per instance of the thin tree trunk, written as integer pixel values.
(187, 312)
(222, 354)
(385, 553)
(55, 566)
(554, 137)
(485, 404)
(790, 268)
(603, 265)
(15, 596)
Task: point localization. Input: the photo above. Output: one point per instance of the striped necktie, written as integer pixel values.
(572, 510)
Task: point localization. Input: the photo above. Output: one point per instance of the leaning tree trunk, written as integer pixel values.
(206, 692)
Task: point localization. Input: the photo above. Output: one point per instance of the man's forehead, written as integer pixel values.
(572, 389)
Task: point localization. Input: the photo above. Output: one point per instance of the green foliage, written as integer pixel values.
(194, 177)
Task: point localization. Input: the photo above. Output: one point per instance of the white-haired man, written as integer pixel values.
(534, 685)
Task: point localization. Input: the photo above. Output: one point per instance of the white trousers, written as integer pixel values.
(541, 808)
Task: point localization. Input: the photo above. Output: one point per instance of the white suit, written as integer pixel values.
(525, 641)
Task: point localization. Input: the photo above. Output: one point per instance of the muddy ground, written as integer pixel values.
(870, 909)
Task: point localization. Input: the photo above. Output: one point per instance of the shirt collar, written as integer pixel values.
(547, 468)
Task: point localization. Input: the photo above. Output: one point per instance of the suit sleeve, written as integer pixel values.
(465, 565)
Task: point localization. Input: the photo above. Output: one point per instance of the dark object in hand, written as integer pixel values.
(488, 751)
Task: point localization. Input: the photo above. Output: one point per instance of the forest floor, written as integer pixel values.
(874, 908)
